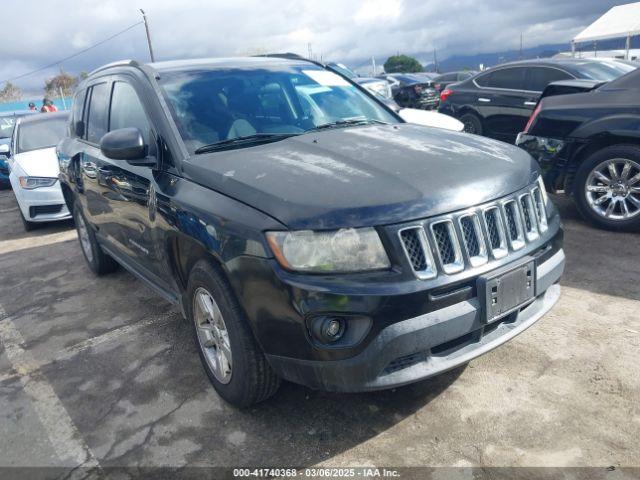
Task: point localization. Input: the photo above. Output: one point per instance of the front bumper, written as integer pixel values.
(45, 204)
(426, 345)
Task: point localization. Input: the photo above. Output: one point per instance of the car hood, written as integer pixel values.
(365, 176)
(38, 163)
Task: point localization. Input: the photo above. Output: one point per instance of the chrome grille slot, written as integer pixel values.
(473, 239)
(529, 217)
(447, 246)
(416, 248)
(496, 232)
(467, 239)
(514, 224)
(541, 213)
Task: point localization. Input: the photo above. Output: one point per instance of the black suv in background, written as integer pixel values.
(498, 102)
(588, 145)
(306, 232)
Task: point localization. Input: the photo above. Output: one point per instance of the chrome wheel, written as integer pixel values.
(612, 189)
(212, 335)
(469, 127)
(83, 235)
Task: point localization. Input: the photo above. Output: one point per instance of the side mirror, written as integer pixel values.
(79, 128)
(4, 149)
(124, 144)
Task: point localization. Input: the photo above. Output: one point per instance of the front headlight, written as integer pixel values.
(345, 250)
(30, 183)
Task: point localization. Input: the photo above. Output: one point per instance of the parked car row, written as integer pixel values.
(498, 102)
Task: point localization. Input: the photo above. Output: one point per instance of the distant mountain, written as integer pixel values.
(472, 62)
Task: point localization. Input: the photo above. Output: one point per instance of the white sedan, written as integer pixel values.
(34, 168)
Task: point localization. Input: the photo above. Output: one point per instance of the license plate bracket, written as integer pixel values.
(506, 290)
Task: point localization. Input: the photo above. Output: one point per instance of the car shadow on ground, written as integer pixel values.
(599, 261)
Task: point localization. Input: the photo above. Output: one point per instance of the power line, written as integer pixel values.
(72, 56)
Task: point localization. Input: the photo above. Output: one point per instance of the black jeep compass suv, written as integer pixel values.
(306, 232)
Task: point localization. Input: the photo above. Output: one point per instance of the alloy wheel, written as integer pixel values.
(83, 234)
(612, 189)
(213, 335)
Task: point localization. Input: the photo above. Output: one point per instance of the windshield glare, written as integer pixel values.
(41, 134)
(604, 71)
(210, 106)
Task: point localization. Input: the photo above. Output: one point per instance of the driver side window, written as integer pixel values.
(127, 110)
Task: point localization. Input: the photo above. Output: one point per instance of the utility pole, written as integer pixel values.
(520, 45)
(309, 50)
(435, 61)
(146, 27)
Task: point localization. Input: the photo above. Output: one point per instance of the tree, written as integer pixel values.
(402, 64)
(10, 93)
(63, 81)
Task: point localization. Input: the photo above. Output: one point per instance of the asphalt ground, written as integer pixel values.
(101, 372)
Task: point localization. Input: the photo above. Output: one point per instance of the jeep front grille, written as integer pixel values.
(473, 237)
(447, 246)
(416, 248)
(541, 213)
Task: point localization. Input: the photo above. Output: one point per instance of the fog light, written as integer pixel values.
(329, 329)
(332, 328)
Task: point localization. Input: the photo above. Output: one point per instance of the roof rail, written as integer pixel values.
(118, 63)
(290, 56)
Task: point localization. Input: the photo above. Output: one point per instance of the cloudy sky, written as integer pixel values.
(36, 33)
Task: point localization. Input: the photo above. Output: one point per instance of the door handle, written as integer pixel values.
(485, 100)
(530, 104)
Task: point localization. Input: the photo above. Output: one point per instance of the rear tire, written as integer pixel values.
(230, 355)
(98, 261)
(606, 188)
(472, 124)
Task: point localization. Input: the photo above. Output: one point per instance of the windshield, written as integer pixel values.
(41, 134)
(216, 105)
(6, 126)
(603, 71)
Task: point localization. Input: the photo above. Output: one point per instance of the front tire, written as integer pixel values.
(230, 355)
(472, 123)
(607, 188)
(98, 261)
(28, 226)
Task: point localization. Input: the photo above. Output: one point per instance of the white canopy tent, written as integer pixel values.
(619, 22)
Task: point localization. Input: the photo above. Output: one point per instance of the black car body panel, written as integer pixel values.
(309, 170)
(503, 97)
(565, 87)
(580, 123)
(158, 220)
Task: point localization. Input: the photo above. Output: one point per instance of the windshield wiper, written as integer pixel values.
(347, 123)
(239, 141)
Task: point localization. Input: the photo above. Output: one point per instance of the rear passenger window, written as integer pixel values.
(511, 78)
(127, 110)
(97, 121)
(78, 109)
(540, 77)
